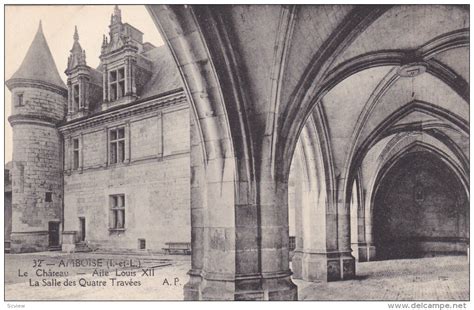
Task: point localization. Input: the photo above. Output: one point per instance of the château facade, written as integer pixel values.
(102, 161)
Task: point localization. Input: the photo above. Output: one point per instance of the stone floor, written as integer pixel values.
(442, 278)
(439, 278)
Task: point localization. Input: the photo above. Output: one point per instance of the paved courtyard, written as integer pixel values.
(129, 276)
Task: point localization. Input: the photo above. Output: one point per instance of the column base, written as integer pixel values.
(297, 264)
(192, 289)
(249, 287)
(365, 251)
(279, 287)
(318, 266)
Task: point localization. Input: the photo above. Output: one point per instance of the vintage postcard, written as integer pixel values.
(289, 152)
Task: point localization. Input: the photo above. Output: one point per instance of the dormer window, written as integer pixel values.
(117, 84)
(125, 68)
(83, 83)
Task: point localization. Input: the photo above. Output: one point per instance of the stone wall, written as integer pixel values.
(38, 102)
(154, 179)
(420, 210)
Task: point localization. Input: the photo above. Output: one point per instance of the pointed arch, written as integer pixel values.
(303, 98)
(460, 188)
(383, 129)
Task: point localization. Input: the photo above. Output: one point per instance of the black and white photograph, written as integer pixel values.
(237, 152)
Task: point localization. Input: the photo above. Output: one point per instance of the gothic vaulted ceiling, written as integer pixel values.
(374, 71)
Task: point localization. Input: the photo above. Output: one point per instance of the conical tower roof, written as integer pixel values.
(39, 64)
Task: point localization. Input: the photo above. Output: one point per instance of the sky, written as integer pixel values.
(92, 21)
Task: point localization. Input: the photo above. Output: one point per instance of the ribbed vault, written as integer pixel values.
(339, 79)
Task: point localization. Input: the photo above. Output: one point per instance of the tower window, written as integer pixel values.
(19, 100)
(75, 152)
(48, 197)
(117, 145)
(117, 84)
(117, 212)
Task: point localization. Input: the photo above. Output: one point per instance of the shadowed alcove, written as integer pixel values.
(420, 209)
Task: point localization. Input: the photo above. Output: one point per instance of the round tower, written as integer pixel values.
(39, 98)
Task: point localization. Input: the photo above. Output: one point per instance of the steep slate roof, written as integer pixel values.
(165, 76)
(38, 63)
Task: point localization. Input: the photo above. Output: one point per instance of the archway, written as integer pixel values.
(251, 104)
(420, 209)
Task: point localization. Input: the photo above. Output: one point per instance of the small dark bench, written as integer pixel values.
(178, 247)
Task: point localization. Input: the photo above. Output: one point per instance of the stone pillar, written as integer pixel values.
(213, 273)
(276, 275)
(361, 237)
(347, 261)
(244, 216)
(213, 234)
(297, 260)
(354, 209)
(366, 246)
(313, 257)
(324, 256)
(240, 248)
(320, 256)
(192, 288)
